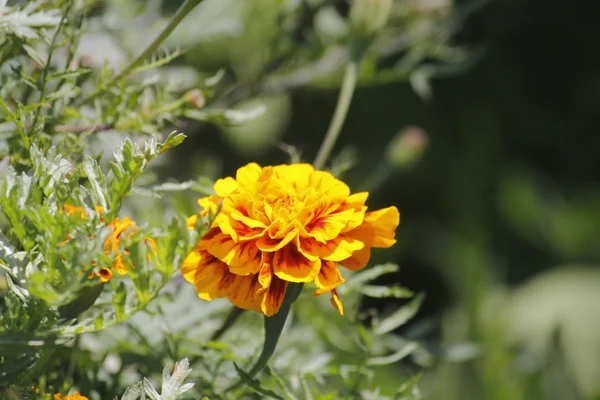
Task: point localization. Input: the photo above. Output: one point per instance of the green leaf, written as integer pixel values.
(408, 349)
(119, 301)
(395, 291)
(370, 274)
(97, 182)
(174, 139)
(255, 384)
(84, 299)
(409, 388)
(399, 317)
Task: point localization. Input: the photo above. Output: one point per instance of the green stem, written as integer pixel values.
(181, 13)
(273, 328)
(341, 110)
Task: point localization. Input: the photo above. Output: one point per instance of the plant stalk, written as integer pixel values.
(341, 110)
(181, 13)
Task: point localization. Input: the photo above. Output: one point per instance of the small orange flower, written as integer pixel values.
(58, 396)
(287, 223)
(113, 242)
(74, 396)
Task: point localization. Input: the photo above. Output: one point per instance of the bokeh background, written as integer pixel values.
(478, 119)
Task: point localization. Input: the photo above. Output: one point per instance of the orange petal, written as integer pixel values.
(248, 293)
(358, 260)
(337, 302)
(290, 265)
(150, 242)
(119, 264)
(328, 278)
(273, 296)
(105, 274)
(210, 276)
(243, 258)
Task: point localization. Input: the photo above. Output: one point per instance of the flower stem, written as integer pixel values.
(341, 110)
(181, 13)
(273, 328)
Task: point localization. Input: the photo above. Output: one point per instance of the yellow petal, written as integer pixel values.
(295, 177)
(290, 265)
(192, 221)
(337, 302)
(383, 224)
(119, 264)
(328, 185)
(226, 186)
(327, 227)
(243, 258)
(266, 271)
(266, 243)
(337, 249)
(247, 176)
(328, 278)
(273, 296)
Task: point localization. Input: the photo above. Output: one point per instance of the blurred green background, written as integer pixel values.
(500, 212)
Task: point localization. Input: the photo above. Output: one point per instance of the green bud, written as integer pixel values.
(367, 17)
(407, 147)
(196, 98)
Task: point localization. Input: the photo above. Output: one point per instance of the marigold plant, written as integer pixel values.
(112, 245)
(281, 224)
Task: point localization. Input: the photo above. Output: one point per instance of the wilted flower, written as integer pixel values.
(275, 225)
(112, 244)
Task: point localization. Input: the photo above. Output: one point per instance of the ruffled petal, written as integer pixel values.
(209, 275)
(243, 258)
(337, 302)
(289, 264)
(226, 186)
(248, 294)
(273, 297)
(328, 278)
(340, 248)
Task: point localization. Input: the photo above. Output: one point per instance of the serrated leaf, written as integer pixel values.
(150, 391)
(399, 317)
(133, 392)
(97, 181)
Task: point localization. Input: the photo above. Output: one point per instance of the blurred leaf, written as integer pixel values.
(399, 317)
(255, 384)
(386, 291)
(395, 357)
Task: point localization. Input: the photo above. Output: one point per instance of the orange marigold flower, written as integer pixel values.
(113, 241)
(287, 223)
(74, 396)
